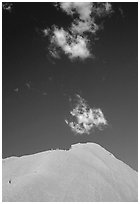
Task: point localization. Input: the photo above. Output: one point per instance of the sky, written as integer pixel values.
(42, 75)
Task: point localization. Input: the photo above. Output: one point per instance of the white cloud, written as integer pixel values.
(73, 46)
(88, 13)
(108, 7)
(7, 6)
(81, 27)
(86, 118)
(78, 48)
(74, 41)
(46, 32)
(84, 9)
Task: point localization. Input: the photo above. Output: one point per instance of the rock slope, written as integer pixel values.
(86, 172)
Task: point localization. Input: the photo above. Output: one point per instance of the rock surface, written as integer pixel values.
(86, 172)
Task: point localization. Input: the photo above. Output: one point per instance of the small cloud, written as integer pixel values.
(85, 118)
(121, 12)
(7, 6)
(28, 85)
(66, 121)
(84, 9)
(45, 32)
(44, 94)
(16, 90)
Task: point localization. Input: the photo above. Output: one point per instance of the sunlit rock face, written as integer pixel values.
(87, 172)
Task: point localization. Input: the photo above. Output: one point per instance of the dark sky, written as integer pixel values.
(36, 87)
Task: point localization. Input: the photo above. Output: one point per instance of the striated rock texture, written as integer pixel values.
(86, 172)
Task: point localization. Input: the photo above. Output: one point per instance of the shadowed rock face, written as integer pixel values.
(87, 172)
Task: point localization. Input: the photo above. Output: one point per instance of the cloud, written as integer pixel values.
(73, 46)
(84, 9)
(7, 6)
(16, 90)
(74, 41)
(86, 118)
